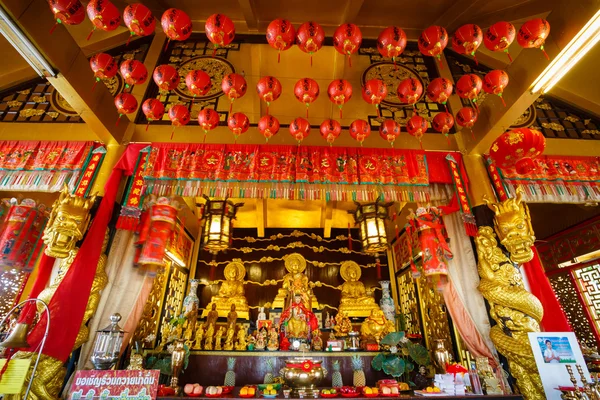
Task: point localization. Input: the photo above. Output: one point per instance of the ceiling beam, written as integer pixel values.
(250, 16)
(514, 12)
(351, 11)
(261, 217)
(454, 12)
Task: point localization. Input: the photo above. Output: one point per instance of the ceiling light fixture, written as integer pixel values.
(23, 45)
(583, 42)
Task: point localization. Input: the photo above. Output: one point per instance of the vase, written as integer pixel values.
(191, 301)
(387, 303)
(441, 356)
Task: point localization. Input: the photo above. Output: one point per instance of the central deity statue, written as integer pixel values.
(231, 292)
(297, 321)
(355, 301)
(295, 282)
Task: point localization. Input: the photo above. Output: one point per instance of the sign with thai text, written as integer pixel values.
(122, 385)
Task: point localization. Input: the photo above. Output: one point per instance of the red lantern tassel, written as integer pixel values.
(94, 86)
(421, 144)
(117, 123)
(440, 62)
(90, 35)
(340, 107)
(53, 28)
(502, 98)
(350, 60)
(167, 45)
(172, 133)
(509, 57)
(378, 268)
(279, 56)
(147, 125)
(378, 111)
(544, 51)
(473, 134)
(447, 138)
(311, 60)
(307, 111)
(349, 237)
(475, 58)
(128, 40)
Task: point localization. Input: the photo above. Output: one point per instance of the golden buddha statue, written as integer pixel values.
(297, 321)
(376, 326)
(295, 282)
(355, 301)
(343, 326)
(231, 292)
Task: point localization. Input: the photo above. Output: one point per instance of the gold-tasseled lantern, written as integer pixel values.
(371, 219)
(217, 216)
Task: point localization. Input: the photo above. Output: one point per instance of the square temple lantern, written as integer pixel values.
(371, 219)
(217, 216)
(108, 344)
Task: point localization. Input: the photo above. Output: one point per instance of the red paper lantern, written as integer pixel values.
(238, 123)
(443, 122)
(208, 119)
(139, 19)
(70, 12)
(299, 129)
(533, 34)
(433, 41)
(234, 86)
(360, 130)
(166, 77)
(104, 15)
(281, 35)
(468, 87)
(374, 92)
(466, 117)
(467, 39)
(269, 89)
(268, 126)
(439, 90)
(417, 126)
(410, 91)
(162, 218)
(499, 37)
(391, 42)
(153, 109)
(347, 39)
(179, 115)
(330, 130)
(103, 65)
(518, 148)
(133, 72)
(389, 130)
(494, 82)
(220, 30)
(306, 91)
(126, 104)
(176, 24)
(198, 82)
(310, 37)
(339, 92)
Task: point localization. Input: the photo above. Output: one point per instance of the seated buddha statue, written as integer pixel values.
(355, 301)
(231, 292)
(295, 282)
(297, 321)
(376, 326)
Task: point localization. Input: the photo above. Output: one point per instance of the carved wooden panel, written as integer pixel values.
(408, 302)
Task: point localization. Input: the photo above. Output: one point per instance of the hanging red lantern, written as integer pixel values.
(153, 109)
(198, 82)
(126, 104)
(104, 67)
(417, 126)
(220, 30)
(176, 24)
(494, 82)
(468, 87)
(360, 130)
(443, 122)
(281, 35)
(391, 42)
(410, 91)
(133, 72)
(162, 220)
(374, 92)
(347, 39)
(466, 117)
(234, 86)
(499, 37)
(433, 41)
(104, 15)
(70, 12)
(439, 90)
(389, 130)
(518, 148)
(139, 20)
(299, 129)
(269, 89)
(208, 119)
(339, 92)
(467, 39)
(166, 77)
(533, 34)
(238, 123)
(179, 115)
(268, 126)
(306, 91)
(330, 130)
(310, 37)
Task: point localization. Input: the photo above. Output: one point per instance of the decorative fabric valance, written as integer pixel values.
(42, 166)
(556, 179)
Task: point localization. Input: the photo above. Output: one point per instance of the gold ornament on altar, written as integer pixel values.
(512, 223)
(376, 326)
(67, 223)
(295, 282)
(342, 326)
(231, 292)
(355, 301)
(241, 340)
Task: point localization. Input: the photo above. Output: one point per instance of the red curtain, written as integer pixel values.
(554, 319)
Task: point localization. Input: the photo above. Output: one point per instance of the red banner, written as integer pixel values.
(132, 205)
(462, 197)
(119, 384)
(91, 169)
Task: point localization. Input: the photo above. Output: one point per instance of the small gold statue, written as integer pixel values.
(211, 320)
(208, 337)
(241, 340)
(232, 317)
(376, 326)
(67, 223)
(273, 344)
(231, 291)
(219, 338)
(295, 282)
(228, 346)
(355, 301)
(317, 342)
(136, 362)
(261, 339)
(343, 326)
(198, 338)
(177, 358)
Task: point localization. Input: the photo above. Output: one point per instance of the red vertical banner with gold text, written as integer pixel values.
(90, 171)
(496, 181)
(462, 196)
(131, 210)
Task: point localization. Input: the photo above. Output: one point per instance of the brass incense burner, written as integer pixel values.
(303, 373)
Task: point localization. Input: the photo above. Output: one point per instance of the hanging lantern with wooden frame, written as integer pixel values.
(217, 217)
(371, 219)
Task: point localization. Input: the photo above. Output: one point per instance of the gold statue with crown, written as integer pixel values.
(231, 292)
(295, 282)
(355, 301)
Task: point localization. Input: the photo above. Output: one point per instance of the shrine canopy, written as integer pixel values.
(294, 172)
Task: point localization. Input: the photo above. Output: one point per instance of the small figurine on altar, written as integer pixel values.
(219, 338)
(376, 326)
(136, 362)
(251, 342)
(208, 340)
(421, 380)
(261, 315)
(198, 339)
(297, 321)
(343, 326)
(317, 342)
(229, 339)
(261, 339)
(232, 317)
(285, 344)
(355, 301)
(273, 344)
(211, 319)
(327, 321)
(241, 340)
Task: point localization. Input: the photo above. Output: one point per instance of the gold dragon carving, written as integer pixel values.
(516, 311)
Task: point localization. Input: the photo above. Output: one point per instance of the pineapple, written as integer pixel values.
(269, 374)
(336, 377)
(358, 377)
(230, 375)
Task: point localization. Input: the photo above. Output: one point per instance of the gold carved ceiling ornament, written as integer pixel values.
(299, 245)
(391, 75)
(60, 104)
(263, 260)
(215, 67)
(296, 234)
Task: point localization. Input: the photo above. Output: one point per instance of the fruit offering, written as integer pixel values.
(403, 386)
(370, 391)
(214, 391)
(388, 387)
(329, 393)
(193, 389)
(433, 389)
(349, 391)
(248, 391)
(269, 391)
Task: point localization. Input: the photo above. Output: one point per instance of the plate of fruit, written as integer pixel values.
(213, 391)
(248, 391)
(390, 391)
(349, 391)
(227, 389)
(165, 391)
(193, 390)
(329, 393)
(370, 391)
(269, 392)
(431, 391)
(264, 386)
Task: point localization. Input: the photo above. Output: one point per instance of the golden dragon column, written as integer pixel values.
(516, 311)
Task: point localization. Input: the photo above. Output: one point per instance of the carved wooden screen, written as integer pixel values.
(588, 283)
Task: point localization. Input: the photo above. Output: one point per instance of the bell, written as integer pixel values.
(17, 338)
